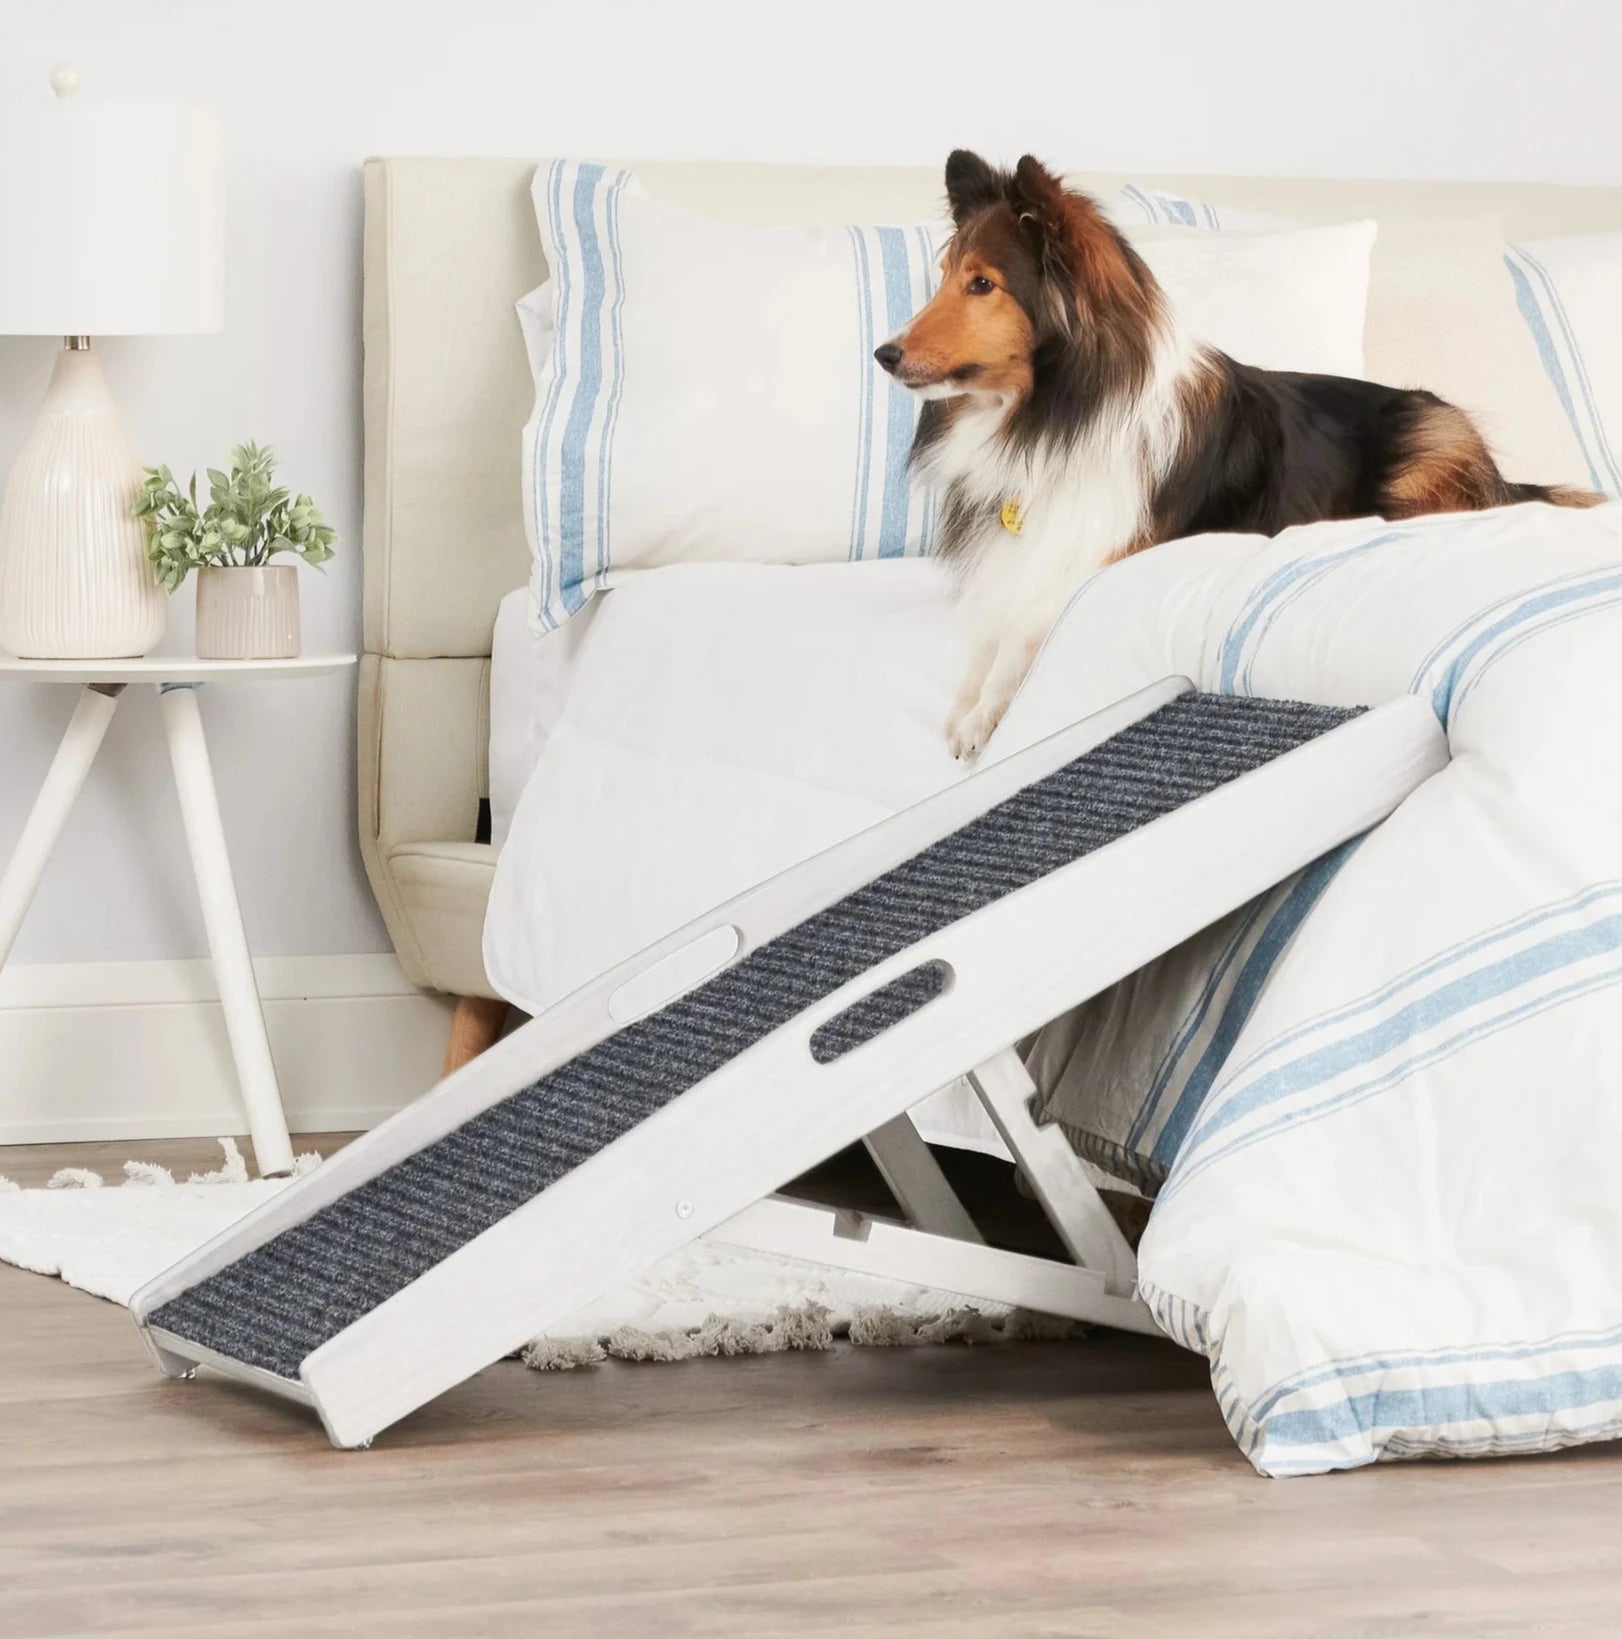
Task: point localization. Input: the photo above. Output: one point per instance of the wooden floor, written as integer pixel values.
(1036, 1489)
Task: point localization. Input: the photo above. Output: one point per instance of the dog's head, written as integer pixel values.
(1031, 270)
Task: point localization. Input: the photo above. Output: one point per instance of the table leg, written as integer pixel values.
(52, 806)
(222, 916)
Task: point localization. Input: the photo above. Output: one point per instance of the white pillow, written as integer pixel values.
(1441, 316)
(1570, 293)
(706, 392)
(1291, 300)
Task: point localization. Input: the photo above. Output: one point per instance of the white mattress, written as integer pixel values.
(529, 683)
(806, 702)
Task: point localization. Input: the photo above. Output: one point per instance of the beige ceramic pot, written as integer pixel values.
(248, 614)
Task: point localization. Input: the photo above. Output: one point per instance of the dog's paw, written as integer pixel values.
(966, 735)
(959, 742)
(953, 730)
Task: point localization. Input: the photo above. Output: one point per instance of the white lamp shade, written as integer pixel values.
(113, 218)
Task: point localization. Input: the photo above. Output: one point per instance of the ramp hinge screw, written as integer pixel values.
(684, 1209)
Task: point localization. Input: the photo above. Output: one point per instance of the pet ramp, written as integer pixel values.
(672, 1097)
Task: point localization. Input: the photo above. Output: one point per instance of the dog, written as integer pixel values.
(1069, 423)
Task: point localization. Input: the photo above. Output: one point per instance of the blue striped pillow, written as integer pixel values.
(1154, 207)
(786, 445)
(1567, 290)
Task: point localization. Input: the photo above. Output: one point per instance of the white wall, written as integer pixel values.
(307, 88)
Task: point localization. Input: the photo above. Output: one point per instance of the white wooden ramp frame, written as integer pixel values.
(710, 1159)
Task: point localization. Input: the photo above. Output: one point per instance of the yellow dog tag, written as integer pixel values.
(1013, 515)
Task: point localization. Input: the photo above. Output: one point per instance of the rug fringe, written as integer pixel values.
(888, 1329)
(74, 1178)
(233, 1170)
(802, 1326)
(806, 1326)
(149, 1175)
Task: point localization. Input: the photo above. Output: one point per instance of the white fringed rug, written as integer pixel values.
(704, 1300)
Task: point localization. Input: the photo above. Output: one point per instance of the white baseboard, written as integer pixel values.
(96, 1050)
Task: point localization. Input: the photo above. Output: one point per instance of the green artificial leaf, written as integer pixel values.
(249, 519)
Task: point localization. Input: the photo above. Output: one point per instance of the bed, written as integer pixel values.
(1327, 1091)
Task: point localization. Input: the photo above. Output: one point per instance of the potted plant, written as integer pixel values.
(247, 606)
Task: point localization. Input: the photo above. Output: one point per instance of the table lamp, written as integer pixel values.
(113, 216)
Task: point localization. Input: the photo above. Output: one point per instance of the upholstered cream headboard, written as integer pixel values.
(450, 247)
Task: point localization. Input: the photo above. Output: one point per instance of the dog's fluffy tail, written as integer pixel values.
(1557, 494)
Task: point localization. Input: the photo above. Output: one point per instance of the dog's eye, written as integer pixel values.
(979, 285)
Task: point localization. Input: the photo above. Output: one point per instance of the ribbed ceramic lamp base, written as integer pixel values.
(75, 583)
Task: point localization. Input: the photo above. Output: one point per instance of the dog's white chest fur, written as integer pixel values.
(1079, 508)
(1076, 512)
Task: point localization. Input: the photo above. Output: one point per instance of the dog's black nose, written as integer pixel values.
(889, 356)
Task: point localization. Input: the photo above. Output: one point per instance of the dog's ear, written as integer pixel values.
(971, 185)
(1049, 214)
(1039, 200)
(1043, 208)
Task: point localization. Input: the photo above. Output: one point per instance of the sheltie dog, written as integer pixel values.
(1069, 423)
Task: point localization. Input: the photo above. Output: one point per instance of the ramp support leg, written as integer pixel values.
(795, 1229)
(1067, 1194)
(915, 1178)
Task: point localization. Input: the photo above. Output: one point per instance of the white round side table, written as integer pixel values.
(177, 680)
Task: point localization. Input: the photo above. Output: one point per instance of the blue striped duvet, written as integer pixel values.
(1382, 1106)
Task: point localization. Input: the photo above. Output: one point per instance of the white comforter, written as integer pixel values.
(1386, 1101)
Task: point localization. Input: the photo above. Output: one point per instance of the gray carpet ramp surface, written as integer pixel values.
(280, 1301)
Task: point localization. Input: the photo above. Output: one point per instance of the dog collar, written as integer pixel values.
(1013, 515)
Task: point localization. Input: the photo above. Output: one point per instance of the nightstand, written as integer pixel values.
(177, 680)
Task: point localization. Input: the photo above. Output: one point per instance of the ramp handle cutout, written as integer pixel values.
(879, 1010)
(674, 975)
